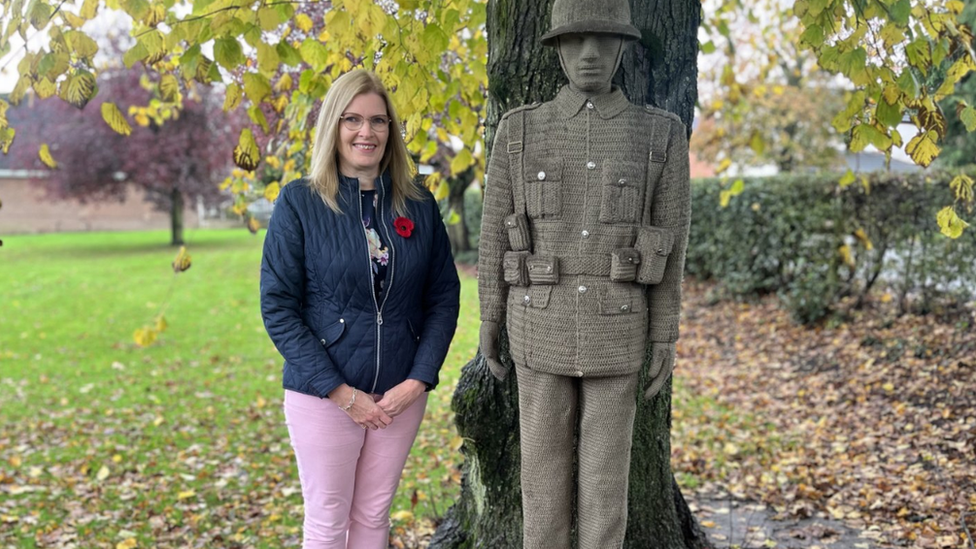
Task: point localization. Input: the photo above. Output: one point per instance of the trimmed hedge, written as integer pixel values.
(798, 236)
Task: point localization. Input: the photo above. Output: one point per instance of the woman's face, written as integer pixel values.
(361, 150)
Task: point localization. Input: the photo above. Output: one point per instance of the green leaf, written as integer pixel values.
(44, 87)
(707, 47)
(228, 54)
(314, 53)
(169, 88)
(257, 116)
(901, 11)
(815, 7)
(847, 179)
(288, 54)
(268, 59)
(114, 118)
(81, 44)
(256, 87)
(232, 97)
(89, 9)
(908, 84)
(6, 139)
(950, 224)
(53, 65)
(40, 14)
(434, 38)
(889, 115)
(137, 9)
(461, 161)
(757, 144)
(78, 89)
(813, 36)
(968, 118)
(268, 18)
(246, 154)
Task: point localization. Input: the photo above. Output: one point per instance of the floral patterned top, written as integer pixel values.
(379, 253)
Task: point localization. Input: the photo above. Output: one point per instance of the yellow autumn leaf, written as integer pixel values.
(950, 223)
(103, 473)
(253, 225)
(15, 461)
(246, 153)
(863, 237)
(847, 179)
(158, 421)
(402, 516)
(144, 336)
(46, 158)
(922, 148)
(707, 524)
(161, 324)
(128, 543)
(962, 186)
(725, 164)
(442, 192)
(271, 191)
(186, 494)
(888, 387)
(183, 261)
(846, 255)
(456, 443)
(115, 119)
(303, 22)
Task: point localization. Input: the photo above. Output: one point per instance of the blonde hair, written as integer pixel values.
(324, 177)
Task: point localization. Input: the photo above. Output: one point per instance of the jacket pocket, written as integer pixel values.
(534, 297)
(543, 187)
(623, 183)
(623, 264)
(413, 332)
(543, 269)
(519, 238)
(333, 332)
(621, 298)
(654, 245)
(513, 265)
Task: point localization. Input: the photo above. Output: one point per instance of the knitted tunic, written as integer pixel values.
(594, 171)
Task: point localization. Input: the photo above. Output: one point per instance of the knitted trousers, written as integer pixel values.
(550, 407)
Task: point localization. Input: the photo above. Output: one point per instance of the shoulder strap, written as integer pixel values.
(516, 134)
(660, 133)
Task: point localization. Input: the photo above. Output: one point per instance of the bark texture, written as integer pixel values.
(176, 217)
(660, 70)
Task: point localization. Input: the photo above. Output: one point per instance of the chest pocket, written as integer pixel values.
(622, 192)
(543, 187)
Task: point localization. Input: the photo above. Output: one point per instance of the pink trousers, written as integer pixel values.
(349, 475)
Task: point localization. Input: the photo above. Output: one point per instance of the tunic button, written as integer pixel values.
(527, 300)
(582, 289)
(579, 373)
(622, 182)
(591, 165)
(542, 176)
(589, 104)
(625, 308)
(585, 233)
(342, 321)
(548, 268)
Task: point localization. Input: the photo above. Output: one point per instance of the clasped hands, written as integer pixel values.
(662, 359)
(370, 413)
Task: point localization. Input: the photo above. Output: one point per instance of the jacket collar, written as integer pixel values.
(384, 183)
(607, 105)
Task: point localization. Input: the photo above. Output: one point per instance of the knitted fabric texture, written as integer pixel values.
(548, 410)
(589, 184)
(587, 16)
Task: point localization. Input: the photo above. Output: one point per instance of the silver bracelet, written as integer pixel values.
(351, 401)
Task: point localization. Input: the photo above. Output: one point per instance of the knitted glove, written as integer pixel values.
(662, 363)
(489, 348)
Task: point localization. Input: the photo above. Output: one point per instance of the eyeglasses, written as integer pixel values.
(352, 122)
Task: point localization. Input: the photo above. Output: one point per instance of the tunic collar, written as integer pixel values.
(607, 105)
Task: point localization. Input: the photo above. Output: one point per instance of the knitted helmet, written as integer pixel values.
(590, 16)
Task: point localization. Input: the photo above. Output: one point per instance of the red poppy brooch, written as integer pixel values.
(403, 226)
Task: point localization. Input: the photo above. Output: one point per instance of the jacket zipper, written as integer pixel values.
(369, 263)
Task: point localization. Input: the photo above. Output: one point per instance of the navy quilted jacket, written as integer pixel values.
(317, 295)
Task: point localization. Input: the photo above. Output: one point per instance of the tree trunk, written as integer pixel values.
(458, 233)
(176, 217)
(660, 70)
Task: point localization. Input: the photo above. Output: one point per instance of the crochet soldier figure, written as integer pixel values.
(583, 241)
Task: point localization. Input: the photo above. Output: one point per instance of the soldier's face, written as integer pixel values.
(590, 60)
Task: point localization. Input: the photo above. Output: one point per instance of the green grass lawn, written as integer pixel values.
(106, 444)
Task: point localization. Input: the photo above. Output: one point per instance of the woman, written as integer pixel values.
(360, 295)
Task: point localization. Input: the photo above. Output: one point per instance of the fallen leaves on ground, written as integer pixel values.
(871, 421)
